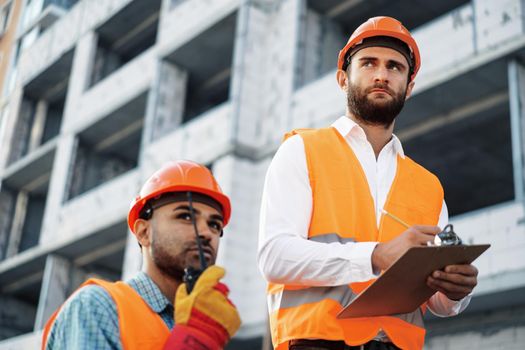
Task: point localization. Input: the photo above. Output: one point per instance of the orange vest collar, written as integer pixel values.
(140, 327)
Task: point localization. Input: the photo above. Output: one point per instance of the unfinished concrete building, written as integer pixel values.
(107, 91)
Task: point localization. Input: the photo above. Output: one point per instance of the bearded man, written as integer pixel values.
(323, 233)
(156, 309)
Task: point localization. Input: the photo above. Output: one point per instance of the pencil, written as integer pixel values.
(395, 218)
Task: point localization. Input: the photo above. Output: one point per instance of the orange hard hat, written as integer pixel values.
(382, 26)
(179, 176)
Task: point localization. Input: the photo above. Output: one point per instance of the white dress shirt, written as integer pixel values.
(285, 254)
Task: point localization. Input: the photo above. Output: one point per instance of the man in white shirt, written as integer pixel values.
(307, 269)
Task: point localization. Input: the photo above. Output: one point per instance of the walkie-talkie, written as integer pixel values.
(191, 274)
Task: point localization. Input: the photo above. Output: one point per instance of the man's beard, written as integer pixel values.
(173, 265)
(374, 112)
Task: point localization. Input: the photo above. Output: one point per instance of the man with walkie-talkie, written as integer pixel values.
(177, 301)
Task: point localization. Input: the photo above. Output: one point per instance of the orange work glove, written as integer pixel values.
(206, 318)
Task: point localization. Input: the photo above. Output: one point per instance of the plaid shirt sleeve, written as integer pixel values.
(88, 320)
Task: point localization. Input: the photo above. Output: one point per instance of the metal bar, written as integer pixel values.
(342, 7)
(516, 117)
(463, 112)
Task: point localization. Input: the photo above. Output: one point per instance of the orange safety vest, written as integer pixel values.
(140, 327)
(343, 211)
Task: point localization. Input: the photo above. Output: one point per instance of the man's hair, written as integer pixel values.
(382, 41)
(171, 197)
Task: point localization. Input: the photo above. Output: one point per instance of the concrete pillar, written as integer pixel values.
(242, 180)
(37, 127)
(320, 39)
(167, 97)
(8, 126)
(17, 224)
(58, 186)
(263, 73)
(60, 279)
(79, 78)
(309, 46)
(516, 76)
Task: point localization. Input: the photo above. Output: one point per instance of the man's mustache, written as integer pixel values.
(381, 86)
(205, 244)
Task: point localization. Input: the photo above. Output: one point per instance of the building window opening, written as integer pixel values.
(125, 36)
(108, 148)
(207, 60)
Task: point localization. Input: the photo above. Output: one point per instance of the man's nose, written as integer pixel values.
(204, 229)
(381, 74)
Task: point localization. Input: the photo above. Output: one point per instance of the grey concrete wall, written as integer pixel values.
(497, 329)
(170, 94)
(278, 46)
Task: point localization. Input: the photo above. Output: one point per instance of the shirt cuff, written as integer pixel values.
(442, 306)
(360, 258)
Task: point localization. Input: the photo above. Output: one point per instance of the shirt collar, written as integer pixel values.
(150, 292)
(350, 129)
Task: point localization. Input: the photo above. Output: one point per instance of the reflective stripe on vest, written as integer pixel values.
(342, 294)
(292, 298)
(331, 238)
(343, 211)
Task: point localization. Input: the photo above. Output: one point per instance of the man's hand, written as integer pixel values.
(205, 318)
(455, 281)
(385, 254)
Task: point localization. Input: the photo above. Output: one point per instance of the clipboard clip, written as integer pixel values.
(446, 237)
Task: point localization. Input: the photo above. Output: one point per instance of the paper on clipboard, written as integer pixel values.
(402, 288)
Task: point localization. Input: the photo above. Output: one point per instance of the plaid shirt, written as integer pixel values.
(89, 318)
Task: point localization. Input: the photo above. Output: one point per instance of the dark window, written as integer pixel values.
(108, 148)
(472, 158)
(208, 60)
(124, 36)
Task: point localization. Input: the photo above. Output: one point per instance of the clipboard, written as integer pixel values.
(402, 287)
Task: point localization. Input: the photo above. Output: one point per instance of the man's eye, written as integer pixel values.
(396, 67)
(216, 225)
(184, 216)
(367, 64)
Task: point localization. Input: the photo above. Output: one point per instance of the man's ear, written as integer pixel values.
(142, 232)
(409, 89)
(342, 79)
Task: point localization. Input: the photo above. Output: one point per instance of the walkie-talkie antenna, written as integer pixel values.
(197, 236)
(191, 274)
